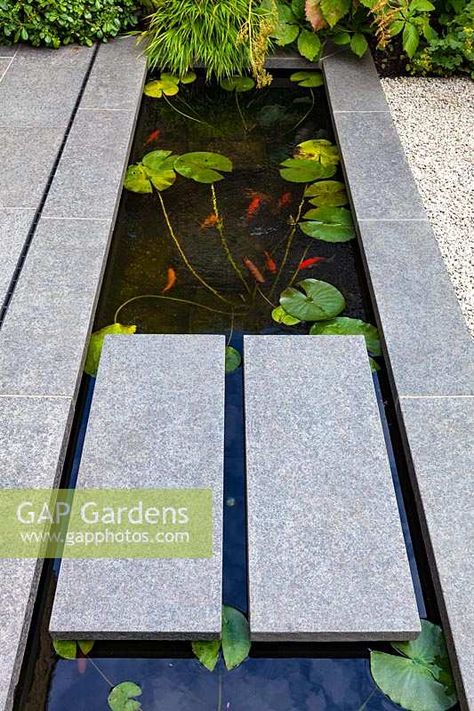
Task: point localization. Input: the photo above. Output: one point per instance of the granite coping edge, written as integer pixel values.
(372, 83)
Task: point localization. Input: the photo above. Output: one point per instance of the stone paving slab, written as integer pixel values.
(46, 328)
(117, 65)
(14, 229)
(327, 559)
(431, 351)
(88, 181)
(8, 51)
(441, 444)
(352, 83)
(157, 421)
(41, 88)
(4, 66)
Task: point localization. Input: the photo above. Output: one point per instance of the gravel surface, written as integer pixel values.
(435, 120)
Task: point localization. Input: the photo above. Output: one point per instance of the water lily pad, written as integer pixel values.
(233, 359)
(202, 166)
(319, 302)
(307, 79)
(123, 697)
(207, 652)
(155, 170)
(238, 84)
(318, 149)
(421, 679)
(158, 87)
(188, 78)
(97, 341)
(345, 326)
(298, 170)
(136, 179)
(235, 637)
(68, 648)
(327, 193)
(330, 224)
(281, 316)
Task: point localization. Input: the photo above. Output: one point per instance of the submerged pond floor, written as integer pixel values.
(256, 130)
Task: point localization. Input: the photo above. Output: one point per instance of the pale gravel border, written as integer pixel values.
(435, 122)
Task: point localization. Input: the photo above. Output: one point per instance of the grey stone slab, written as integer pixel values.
(8, 51)
(379, 178)
(157, 420)
(117, 77)
(41, 87)
(353, 84)
(440, 439)
(46, 328)
(4, 66)
(88, 181)
(429, 347)
(327, 559)
(14, 228)
(33, 436)
(27, 161)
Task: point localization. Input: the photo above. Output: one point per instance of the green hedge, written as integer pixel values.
(56, 22)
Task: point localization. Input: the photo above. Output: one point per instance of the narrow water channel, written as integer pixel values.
(257, 208)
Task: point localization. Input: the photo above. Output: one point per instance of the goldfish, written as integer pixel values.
(270, 263)
(284, 200)
(81, 664)
(254, 270)
(210, 221)
(307, 263)
(154, 136)
(255, 203)
(171, 280)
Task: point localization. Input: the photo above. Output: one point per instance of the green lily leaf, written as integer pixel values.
(188, 78)
(298, 170)
(345, 326)
(233, 359)
(374, 366)
(235, 637)
(327, 193)
(320, 301)
(122, 697)
(97, 341)
(207, 652)
(281, 316)
(318, 149)
(159, 166)
(166, 85)
(330, 224)
(422, 678)
(136, 179)
(202, 166)
(307, 79)
(67, 648)
(238, 84)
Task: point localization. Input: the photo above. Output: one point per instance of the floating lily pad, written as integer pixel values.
(97, 341)
(345, 326)
(281, 316)
(68, 648)
(202, 166)
(123, 697)
(207, 652)
(298, 170)
(155, 170)
(188, 78)
(421, 679)
(235, 637)
(136, 179)
(319, 302)
(330, 224)
(233, 359)
(307, 79)
(327, 193)
(318, 149)
(238, 84)
(159, 87)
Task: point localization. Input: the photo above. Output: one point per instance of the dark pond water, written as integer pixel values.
(257, 207)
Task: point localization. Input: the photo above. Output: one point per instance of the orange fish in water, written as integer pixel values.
(171, 281)
(254, 270)
(81, 664)
(270, 263)
(257, 199)
(210, 221)
(310, 262)
(154, 136)
(284, 200)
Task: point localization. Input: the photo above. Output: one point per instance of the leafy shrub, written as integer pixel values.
(56, 22)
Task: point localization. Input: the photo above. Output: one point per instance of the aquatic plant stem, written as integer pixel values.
(295, 273)
(99, 670)
(364, 705)
(265, 298)
(169, 298)
(237, 102)
(231, 332)
(178, 111)
(183, 255)
(220, 229)
(289, 242)
(305, 116)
